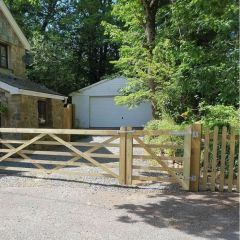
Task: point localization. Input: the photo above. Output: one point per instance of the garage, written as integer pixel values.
(95, 107)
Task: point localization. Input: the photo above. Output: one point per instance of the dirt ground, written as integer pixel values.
(84, 212)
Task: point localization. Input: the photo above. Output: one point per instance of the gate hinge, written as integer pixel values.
(195, 134)
(190, 178)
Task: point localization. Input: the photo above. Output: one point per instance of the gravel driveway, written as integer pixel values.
(60, 207)
(81, 212)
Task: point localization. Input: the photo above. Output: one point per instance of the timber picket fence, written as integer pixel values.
(194, 158)
(219, 169)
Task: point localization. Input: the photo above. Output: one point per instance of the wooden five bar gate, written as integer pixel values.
(192, 158)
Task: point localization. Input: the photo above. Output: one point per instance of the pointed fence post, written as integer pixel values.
(195, 156)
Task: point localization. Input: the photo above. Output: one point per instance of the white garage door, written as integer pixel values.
(105, 113)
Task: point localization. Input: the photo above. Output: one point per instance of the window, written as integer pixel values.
(42, 113)
(3, 56)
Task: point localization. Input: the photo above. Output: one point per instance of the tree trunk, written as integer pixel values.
(150, 10)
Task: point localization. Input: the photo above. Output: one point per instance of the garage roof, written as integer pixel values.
(111, 86)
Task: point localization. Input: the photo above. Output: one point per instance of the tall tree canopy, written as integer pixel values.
(177, 54)
(69, 47)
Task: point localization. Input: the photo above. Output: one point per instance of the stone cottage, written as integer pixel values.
(23, 103)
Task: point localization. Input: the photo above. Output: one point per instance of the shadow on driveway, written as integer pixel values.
(207, 215)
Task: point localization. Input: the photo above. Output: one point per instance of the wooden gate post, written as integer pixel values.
(187, 158)
(129, 156)
(122, 159)
(67, 120)
(195, 156)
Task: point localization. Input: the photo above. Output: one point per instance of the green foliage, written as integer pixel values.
(195, 55)
(219, 115)
(93, 50)
(205, 34)
(165, 124)
(69, 47)
(52, 63)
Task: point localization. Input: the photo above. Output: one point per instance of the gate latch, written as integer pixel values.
(195, 134)
(190, 178)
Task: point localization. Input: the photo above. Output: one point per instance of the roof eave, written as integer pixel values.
(14, 90)
(40, 94)
(14, 25)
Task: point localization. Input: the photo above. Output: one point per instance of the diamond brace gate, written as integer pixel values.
(158, 156)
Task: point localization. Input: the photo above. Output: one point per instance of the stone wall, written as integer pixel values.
(11, 118)
(23, 111)
(15, 47)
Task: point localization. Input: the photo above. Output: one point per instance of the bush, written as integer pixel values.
(219, 115)
(166, 124)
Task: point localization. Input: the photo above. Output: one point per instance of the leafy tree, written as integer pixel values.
(52, 63)
(93, 50)
(69, 48)
(39, 15)
(189, 55)
(137, 53)
(205, 37)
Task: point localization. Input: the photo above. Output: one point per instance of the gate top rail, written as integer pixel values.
(61, 131)
(160, 132)
(93, 131)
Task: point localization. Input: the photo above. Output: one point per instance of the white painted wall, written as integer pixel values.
(95, 107)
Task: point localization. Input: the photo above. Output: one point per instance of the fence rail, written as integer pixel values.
(39, 149)
(194, 158)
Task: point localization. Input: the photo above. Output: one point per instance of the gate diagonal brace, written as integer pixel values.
(164, 166)
(21, 147)
(74, 159)
(82, 154)
(24, 156)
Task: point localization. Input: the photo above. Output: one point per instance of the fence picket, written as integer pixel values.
(205, 160)
(231, 160)
(223, 157)
(238, 187)
(214, 161)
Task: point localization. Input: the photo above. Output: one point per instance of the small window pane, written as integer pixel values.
(3, 56)
(3, 52)
(4, 62)
(42, 113)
